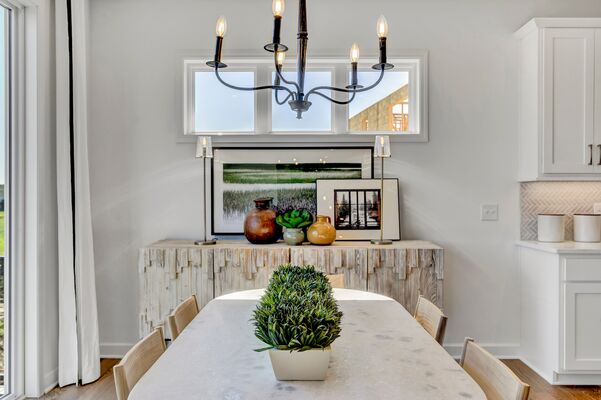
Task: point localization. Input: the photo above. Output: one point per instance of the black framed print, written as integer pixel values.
(288, 175)
(353, 206)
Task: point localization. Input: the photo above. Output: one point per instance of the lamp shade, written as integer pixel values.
(204, 147)
(382, 146)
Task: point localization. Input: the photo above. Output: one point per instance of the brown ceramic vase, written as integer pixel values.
(321, 232)
(259, 224)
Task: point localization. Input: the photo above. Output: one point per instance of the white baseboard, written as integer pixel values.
(547, 377)
(50, 380)
(590, 378)
(114, 350)
(499, 350)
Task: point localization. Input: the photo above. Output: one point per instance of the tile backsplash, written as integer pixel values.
(556, 198)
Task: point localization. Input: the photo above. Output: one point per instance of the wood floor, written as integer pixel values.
(541, 390)
(104, 388)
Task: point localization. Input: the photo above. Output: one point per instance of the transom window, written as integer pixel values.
(397, 106)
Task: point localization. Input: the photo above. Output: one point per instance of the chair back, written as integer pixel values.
(137, 361)
(182, 316)
(497, 381)
(431, 318)
(337, 280)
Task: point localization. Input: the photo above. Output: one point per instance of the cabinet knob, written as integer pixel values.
(590, 149)
(599, 147)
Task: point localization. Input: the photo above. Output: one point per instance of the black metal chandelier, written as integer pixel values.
(298, 99)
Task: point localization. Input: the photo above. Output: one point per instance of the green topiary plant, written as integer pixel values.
(292, 219)
(298, 311)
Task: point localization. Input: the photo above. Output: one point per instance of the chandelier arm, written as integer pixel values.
(278, 71)
(283, 101)
(250, 89)
(343, 90)
(336, 101)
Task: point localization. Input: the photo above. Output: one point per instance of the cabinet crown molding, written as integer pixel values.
(539, 23)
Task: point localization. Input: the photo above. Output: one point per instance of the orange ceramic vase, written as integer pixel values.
(321, 232)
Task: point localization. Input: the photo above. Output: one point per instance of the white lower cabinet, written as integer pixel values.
(582, 325)
(561, 314)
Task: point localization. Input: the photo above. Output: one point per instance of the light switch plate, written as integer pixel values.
(489, 212)
(596, 208)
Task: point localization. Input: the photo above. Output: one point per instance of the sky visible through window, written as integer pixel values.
(392, 81)
(319, 116)
(221, 109)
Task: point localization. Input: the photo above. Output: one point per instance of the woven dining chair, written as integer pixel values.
(337, 280)
(137, 361)
(431, 318)
(182, 316)
(496, 380)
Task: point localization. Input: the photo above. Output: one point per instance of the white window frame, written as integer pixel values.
(414, 62)
(14, 206)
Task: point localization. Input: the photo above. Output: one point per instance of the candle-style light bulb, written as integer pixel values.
(281, 56)
(354, 53)
(278, 7)
(382, 27)
(221, 27)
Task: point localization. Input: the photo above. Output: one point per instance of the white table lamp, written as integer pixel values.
(204, 150)
(381, 151)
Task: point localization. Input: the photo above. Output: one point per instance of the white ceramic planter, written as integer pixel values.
(587, 228)
(310, 365)
(551, 227)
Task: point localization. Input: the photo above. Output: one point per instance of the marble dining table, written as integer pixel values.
(382, 353)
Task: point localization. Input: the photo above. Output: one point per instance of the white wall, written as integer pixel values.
(146, 187)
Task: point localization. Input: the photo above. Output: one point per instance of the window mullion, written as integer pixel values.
(263, 101)
(340, 112)
(414, 99)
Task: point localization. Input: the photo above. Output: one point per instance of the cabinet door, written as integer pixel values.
(582, 326)
(567, 97)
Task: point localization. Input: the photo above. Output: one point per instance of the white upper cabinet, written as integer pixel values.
(560, 99)
(568, 96)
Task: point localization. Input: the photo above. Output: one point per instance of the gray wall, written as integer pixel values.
(146, 187)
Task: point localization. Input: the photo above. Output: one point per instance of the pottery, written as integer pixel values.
(587, 228)
(309, 365)
(551, 228)
(259, 224)
(321, 232)
(294, 236)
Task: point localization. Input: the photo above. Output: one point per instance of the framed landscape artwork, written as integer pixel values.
(354, 207)
(240, 175)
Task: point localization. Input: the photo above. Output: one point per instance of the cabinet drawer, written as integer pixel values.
(582, 269)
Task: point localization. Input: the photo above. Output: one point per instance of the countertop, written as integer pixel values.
(562, 247)
(400, 244)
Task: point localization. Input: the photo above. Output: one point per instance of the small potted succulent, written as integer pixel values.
(298, 319)
(293, 222)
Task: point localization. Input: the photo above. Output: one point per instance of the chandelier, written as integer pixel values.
(296, 95)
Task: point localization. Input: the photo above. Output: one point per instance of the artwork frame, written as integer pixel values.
(357, 197)
(237, 174)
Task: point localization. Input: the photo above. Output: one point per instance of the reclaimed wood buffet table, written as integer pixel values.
(382, 353)
(172, 270)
